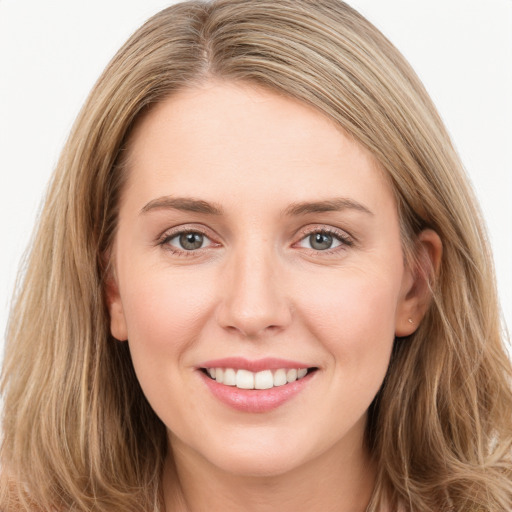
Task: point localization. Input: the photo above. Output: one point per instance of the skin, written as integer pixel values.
(257, 288)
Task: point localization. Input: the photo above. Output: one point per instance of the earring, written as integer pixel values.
(410, 321)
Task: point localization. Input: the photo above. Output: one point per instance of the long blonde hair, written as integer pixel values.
(78, 433)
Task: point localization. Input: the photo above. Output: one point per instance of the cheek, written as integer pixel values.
(352, 303)
(354, 319)
(164, 312)
(165, 315)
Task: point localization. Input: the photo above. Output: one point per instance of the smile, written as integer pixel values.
(256, 386)
(266, 379)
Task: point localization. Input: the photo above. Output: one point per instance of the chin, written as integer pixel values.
(260, 454)
(257, 464)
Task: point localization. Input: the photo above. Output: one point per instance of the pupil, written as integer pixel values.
(191, 241)
(320, 241)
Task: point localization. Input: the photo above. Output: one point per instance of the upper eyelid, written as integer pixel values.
(184, 228)
(323, 228)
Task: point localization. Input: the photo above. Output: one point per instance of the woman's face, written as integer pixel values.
(256, 239)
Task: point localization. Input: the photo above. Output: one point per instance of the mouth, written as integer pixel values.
(256, 386)
(265, 379)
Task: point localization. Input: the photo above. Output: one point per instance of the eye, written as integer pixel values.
(189, 241)
(323, 240)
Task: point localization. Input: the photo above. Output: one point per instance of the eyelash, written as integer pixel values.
(164, 240)
(345, 240)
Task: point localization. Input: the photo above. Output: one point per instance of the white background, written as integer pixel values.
(52, 51)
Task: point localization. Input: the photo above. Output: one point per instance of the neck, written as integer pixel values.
(330, 483)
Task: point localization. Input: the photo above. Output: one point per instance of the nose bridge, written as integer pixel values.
(253, 298)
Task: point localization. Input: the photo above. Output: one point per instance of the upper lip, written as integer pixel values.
(256, 365)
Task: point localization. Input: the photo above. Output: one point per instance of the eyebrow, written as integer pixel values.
(186, 204)
(329, 205)
(189, 204)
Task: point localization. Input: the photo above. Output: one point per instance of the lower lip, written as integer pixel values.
(256, 400)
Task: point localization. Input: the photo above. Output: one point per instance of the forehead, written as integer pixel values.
(241, 139)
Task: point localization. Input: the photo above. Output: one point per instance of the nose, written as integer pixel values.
(254, 301)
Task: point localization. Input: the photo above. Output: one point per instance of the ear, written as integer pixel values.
(416, 290)
(115, 307)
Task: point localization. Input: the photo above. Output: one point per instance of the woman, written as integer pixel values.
(259, 282)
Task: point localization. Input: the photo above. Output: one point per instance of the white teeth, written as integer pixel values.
(244, 379)
(280, 377)
(229, 377)
(291, 375)
(265, 379)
